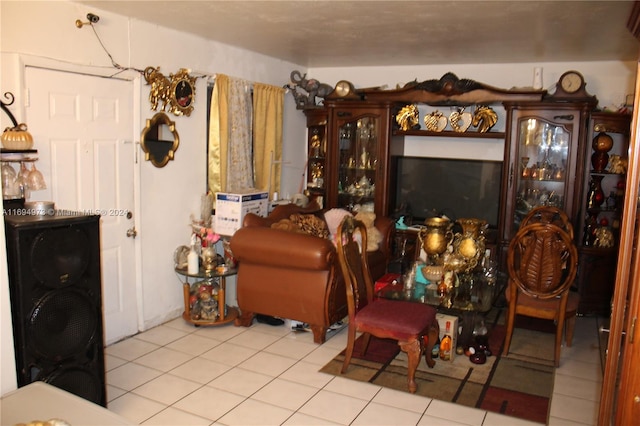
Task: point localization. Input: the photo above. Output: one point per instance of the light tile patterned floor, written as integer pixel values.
(178, 374)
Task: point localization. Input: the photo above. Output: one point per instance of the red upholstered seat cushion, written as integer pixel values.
(395, 319)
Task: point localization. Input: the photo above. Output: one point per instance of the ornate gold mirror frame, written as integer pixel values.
(176, 94)
(159, 140)
(182, 93)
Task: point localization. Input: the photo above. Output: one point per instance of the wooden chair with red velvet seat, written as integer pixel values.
(412, 324)
(542, 261)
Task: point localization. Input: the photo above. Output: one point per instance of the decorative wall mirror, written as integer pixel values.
(160, 140)
(182, 93)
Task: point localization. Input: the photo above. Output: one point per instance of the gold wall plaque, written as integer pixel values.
(175, 94)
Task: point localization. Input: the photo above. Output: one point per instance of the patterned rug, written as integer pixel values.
(518, 385)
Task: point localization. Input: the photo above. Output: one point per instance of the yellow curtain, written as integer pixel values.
(218, 135)
(268, 105)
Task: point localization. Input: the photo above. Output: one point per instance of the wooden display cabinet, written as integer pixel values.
(358, 155)
(602, 211)
(544, 161)
(361, 125)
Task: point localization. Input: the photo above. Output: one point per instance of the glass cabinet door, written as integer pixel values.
(358, 147)
(541, 178)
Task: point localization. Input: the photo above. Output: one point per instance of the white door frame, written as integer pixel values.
(21, 101)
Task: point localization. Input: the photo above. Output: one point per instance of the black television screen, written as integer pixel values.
(427, 187)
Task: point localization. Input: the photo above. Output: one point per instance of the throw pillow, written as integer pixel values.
(286, 225)
(310, 224)
(334, 217)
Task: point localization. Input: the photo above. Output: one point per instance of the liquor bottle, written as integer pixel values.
(446, 343)
(435, 352)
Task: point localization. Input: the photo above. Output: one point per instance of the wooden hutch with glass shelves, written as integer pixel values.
(544, 161)
(354, 135)
(361, 131)
(601, 210)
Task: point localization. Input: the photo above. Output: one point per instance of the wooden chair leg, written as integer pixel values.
(351, 340)
(558, 342)
(412, 348)
(431, 338)
(366, 338)
(569, 327)
(511, 319)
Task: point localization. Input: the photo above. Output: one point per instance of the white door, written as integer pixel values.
(83, 131)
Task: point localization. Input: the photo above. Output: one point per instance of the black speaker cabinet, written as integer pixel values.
(56, 302)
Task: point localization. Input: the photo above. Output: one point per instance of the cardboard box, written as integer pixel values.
(232, 208)
(442, 322)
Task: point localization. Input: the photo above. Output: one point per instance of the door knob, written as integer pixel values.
(131, 232)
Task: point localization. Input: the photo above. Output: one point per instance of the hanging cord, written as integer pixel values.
(113, 62)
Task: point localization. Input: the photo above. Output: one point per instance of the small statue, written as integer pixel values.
(160, 88)
(206, 308)
(604, 237)
(484, 118)
(400, 223)
(315, 145)
(310, 89)
(408, 118)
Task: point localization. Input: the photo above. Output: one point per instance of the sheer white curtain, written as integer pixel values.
(230, 136)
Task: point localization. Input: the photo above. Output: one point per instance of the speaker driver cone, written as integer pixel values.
(62, 324)
(60, 256)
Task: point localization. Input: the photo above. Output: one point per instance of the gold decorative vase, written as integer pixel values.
(436, 236)
(468, 245)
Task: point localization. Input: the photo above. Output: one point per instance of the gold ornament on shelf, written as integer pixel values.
(435, 122)
(408, 118)
(484, 118)
(460, 120)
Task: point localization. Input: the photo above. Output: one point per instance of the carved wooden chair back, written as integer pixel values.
(549, 214)
(352, 235)
(542, 260)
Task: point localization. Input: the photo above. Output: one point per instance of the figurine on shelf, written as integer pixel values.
(305, 91)
(484, 118)
(617, 165)
(205, 308)
(316, 145)
(604, 237)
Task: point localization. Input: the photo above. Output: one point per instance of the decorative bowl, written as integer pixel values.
(433, 272)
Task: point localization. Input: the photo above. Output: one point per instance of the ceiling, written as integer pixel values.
(378, 33)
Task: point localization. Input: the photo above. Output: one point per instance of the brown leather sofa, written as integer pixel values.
(293, 275)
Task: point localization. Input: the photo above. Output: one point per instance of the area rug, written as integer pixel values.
(519, 384)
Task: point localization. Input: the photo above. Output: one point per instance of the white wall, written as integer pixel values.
(44, 34)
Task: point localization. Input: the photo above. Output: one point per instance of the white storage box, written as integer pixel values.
(232, 208)
(453, 327)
